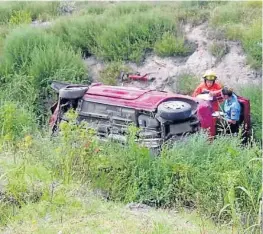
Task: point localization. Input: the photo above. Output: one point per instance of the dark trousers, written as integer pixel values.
(224, 127)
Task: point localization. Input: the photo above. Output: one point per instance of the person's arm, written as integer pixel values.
(217, 91)
(197, 91)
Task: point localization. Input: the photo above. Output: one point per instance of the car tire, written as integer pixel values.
(174, 110)
(72, 92)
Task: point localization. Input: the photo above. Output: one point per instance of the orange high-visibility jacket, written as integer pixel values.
(202, 87)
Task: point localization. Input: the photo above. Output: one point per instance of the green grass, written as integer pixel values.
(127, 38)
(16, 121)
(111, 73)
(169, 45)
(186, 83)
(242, 21)
(39, 57)
(36, 10)
(218, 49)
(254, 94)
(48, 179)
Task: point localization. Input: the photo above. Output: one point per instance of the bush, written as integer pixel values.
(218, 178)
(169, 45)
(252, 43)
(127, 8)
(111, 73)
(15, 121)
(242, 21)
(24, 43)
(81, 32)
(218, 49)
(129, 38)
(39, 57)
(254, 94)
(35, 10)
(125, 38)
(186, 83)
(20, 88)
(20, 17)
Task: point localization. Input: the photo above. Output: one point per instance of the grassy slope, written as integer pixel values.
(92, 215)
(75, 210)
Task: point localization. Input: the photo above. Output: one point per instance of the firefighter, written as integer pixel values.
(209, 86)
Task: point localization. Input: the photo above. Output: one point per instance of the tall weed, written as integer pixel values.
(186, 83)
(16, 121)
(111, 73)
(242, 21)
(169, 45)
(35, 10)
(125, 38)
(39, 57)
(80, 32)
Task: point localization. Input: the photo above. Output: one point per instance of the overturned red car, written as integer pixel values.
(160, 116)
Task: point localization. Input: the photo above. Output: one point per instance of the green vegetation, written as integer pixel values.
(242, 21)
(127, 38)
(218, 49)
(35, 10)
(111, 73)
(169, 45)
(38, 57)
(45, 183)
(221, 182)
(20, 17)
(186, 83)
(16, 121)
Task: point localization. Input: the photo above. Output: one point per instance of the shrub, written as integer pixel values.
(40, 57)
(55, 62)
(6, 9)
(218, 178)
(186, 83)
(169, 45)
(34, 10)
(218, 49)
(80, 32)
(15, 121)
(252, 43)
(242, 21)
(111, 73)
(127, 38)
(19, 88)
(128, 8)
(20, 17)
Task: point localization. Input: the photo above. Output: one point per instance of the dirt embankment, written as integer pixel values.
(231, 68)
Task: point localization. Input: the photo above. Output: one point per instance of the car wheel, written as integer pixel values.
(73, 92)
(174, 110)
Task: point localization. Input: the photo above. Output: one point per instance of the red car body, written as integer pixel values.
(111, 106)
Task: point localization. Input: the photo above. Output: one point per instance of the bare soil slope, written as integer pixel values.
(231, 68)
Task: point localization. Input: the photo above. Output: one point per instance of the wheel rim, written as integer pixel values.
(174, 105)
